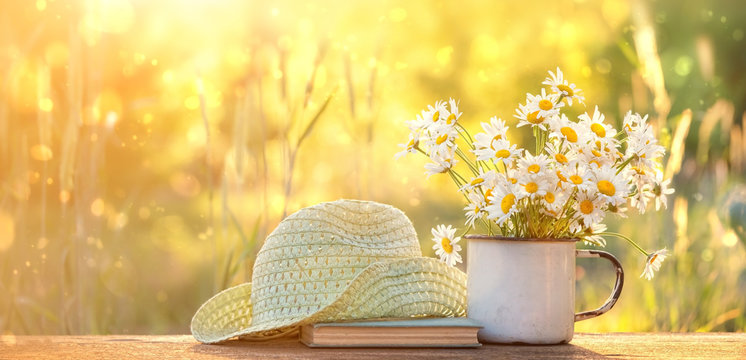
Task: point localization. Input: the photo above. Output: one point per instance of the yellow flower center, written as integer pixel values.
(502, 154)
(451, 119)
(534, 118)
(446, 243)
(507, 203)
(545, 104)
(606, 188)
(487, 195)
(562, 159)
(531, 187)
(560, 176)
(549, 197)
(411, 145)
(476, 209)
(513, 180)
(566, 89)
(576, 179)
(492, 142)
(441, 139)
(596, 162)
(436, 116)
(596, 153)
(534, 168)
(586, 206)
(570, 134)
(598, 129)
(476, 181)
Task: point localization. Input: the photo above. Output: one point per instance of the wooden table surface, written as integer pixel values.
(585, 346)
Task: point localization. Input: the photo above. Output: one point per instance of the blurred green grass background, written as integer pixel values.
(148, 148)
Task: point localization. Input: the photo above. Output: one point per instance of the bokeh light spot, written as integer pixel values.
(42, 243)
(730, 239)
(444, 55)
(64, 196)
(185, 184)
(683, 65)
(737, 34)
(41, 152)
(97, 207)
(46, 104)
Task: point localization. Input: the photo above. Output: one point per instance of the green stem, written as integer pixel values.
(463, 181)
(465, 134)
(624, 164)
(463, 157)
(628, 240)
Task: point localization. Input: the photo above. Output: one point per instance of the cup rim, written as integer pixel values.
(517, 239)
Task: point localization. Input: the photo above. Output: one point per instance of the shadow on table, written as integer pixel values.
(290, 347)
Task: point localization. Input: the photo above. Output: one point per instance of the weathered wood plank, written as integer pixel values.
(585, 346)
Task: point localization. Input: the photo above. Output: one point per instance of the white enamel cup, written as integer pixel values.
(523, 290)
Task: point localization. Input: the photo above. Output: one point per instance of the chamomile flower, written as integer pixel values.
(644, 150)
(553, 200)
(442, 138)
(545, 103)
(409, 147)
(591, 235)
(632, 122)
(418, 125)
(435, 113)
(660, 190)
(653, 263)
(578, 176)
(590, 154)
(442, 162)
(475, 209)
(533, 164)
(560, 86)
(565, 130)
(446, 244)
(485, 178)
(453, 113)
(589, 208)
(529, 115)
(532, 186)
(642, 197)
(554, 152)
(618, 209)
(598, 130)
(493, 131)
(611, 187)
(509, 176)
(502, 203)
(642, 146)
(502, 150)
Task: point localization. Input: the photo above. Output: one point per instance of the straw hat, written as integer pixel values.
(329, 262)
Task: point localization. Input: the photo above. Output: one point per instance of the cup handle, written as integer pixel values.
(617, 286)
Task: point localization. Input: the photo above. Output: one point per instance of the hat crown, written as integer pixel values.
(313, 254)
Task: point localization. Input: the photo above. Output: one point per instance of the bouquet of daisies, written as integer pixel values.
(579, 171)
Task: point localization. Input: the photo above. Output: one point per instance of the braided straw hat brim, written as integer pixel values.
(387, 289)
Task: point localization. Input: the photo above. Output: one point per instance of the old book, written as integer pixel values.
(420, 332)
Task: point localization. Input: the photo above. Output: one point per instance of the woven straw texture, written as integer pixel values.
(334, 261)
